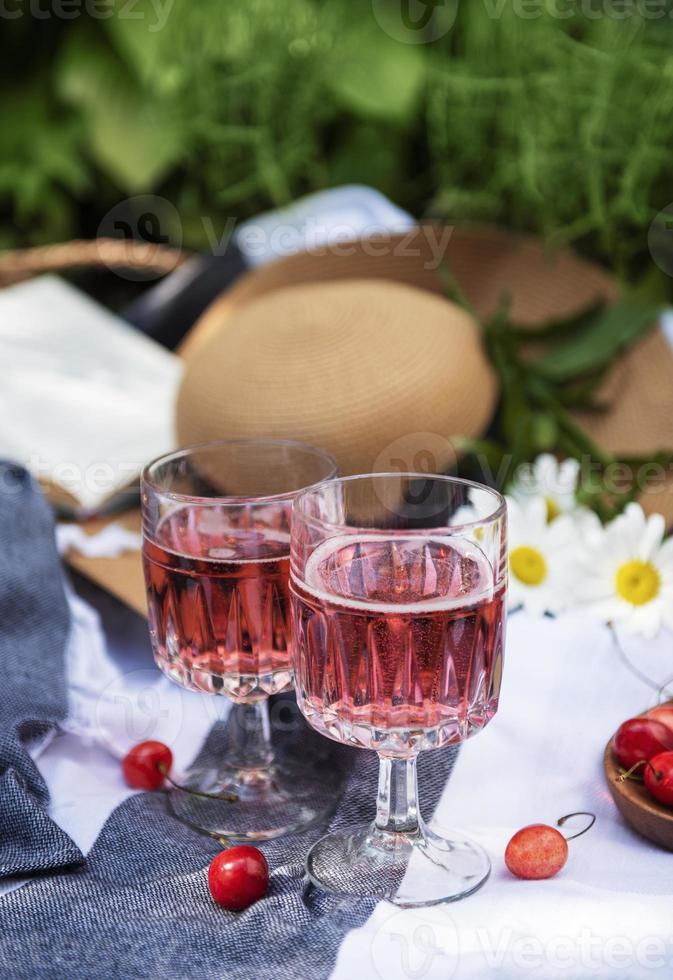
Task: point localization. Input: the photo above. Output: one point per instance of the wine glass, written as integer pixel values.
(398, 586)
(216, 544)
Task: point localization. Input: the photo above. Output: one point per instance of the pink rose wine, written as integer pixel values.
(216, 550)
(217, 588)
(399, 640)
(398, 584)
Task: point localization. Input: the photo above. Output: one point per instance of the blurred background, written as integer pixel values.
(551, 117)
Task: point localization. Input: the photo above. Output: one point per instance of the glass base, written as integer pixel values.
(271, 802)
(410, 870)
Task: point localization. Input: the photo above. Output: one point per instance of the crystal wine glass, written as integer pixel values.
(398, 586)
(216, 544)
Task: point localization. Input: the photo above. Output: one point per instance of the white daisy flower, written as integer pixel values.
(540, 556)
(555, 482)
(626, 573)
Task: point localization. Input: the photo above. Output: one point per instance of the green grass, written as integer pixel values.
(562, 127)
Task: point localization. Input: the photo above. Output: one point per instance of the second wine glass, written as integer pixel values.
(398, 590)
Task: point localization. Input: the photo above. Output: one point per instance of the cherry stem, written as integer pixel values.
(578, 813)
(229, 797)
(628, 774)
(663, 690)
(224, 841)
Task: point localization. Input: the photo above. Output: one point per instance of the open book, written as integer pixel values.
(85, 400)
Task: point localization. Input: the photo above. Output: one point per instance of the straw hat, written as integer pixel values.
(377, 373)
(485, 262)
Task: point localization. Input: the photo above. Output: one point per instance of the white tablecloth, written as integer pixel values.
(608, 914)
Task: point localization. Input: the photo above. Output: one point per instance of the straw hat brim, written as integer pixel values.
(380, 374)
(487, 262)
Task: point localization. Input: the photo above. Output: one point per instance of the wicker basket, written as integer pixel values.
(112, 253)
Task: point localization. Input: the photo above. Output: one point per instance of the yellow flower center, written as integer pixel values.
(553, 509)
(637, 581)
(528, 565)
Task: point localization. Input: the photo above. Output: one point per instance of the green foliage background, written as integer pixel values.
(560, 126)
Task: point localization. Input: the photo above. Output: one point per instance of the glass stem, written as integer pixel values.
(250, 736)
(397, 802)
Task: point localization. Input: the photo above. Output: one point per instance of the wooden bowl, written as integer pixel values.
(642, 813)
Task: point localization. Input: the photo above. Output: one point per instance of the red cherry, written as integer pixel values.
(146, 765)
(639, 739)
(537, 851)
(662, 713)
(659, 777)
(238, 877)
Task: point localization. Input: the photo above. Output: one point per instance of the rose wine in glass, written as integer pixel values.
(220, 621)
(398, 591)
(216, 538)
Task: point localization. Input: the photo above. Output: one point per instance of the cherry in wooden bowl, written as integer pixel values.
(642, 813)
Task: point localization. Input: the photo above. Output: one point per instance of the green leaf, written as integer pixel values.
(134, 139)
(580, 394)
(453, 289)
(377, 77)
(368, 154)
(619, 326)
(544, 431)
(554, 329)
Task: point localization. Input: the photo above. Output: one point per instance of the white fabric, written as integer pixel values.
(608, 913)
(667, 326)
(109, 711)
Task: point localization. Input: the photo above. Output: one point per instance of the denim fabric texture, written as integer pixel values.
(33, 633)
(139, 906)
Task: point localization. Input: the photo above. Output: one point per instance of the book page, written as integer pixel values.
(85, 400)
